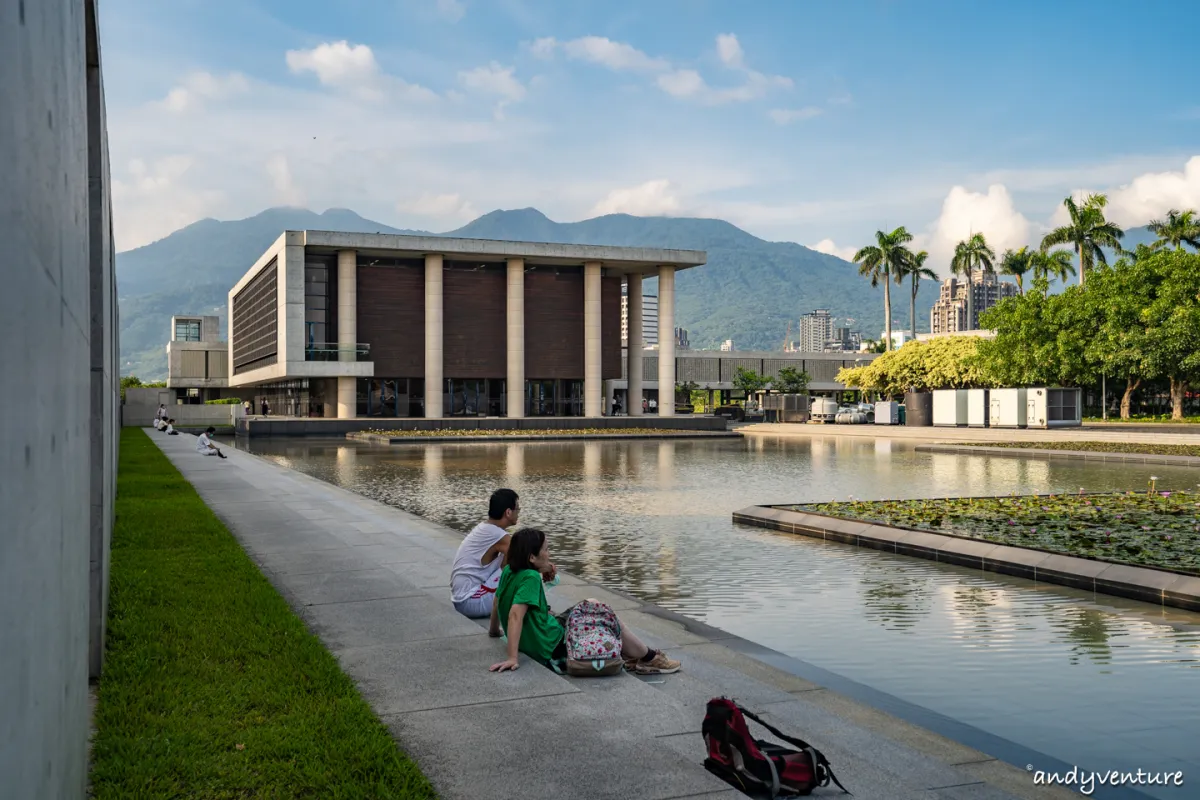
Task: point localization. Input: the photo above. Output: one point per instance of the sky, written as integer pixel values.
(797, 120)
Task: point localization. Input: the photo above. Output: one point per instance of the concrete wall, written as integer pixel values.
(57, 445)
(141, 404)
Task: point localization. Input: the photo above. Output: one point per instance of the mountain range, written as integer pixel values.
(748, 291)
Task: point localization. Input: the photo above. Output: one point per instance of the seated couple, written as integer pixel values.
(502, 576)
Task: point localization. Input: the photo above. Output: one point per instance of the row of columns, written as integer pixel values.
(593, 383)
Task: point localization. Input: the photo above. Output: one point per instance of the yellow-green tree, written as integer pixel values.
(947, 362)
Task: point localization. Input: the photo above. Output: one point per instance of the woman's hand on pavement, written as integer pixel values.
(509, 664)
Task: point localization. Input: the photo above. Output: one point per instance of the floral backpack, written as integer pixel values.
(593, 640)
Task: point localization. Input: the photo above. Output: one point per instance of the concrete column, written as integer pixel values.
(593, 401)
(514, 383)
(347, 307)
(347, 397)
(666, 341)
(635, 345)
(433, 336)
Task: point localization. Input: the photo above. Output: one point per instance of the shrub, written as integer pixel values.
(224, 401)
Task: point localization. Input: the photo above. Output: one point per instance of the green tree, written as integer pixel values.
(947, 362)
(1088, 232)
(970, 255)
(1016, 263)
(1178, 229)
(1121, 342)
(1173, 320)
(883, 262)
(791, 381)
(915, 269)
(749, 381)
(1052, 264)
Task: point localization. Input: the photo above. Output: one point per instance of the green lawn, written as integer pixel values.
(212, 687)
(1159, 529)
(1102, 447)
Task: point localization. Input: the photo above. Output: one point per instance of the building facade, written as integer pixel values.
(844, 340)
(949, 313)
(649, 319)
(815, 330)
(361, 325)
(197, 359)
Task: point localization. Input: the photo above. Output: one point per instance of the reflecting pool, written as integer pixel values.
(1092, 680)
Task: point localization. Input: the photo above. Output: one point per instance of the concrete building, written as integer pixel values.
(949, 313)
(727, 346)
(649, 319)
(197, 360)
(815, 330)
(352, 325)
(681, 339)
(58, 433)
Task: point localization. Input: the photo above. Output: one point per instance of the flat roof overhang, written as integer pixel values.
(618, 260)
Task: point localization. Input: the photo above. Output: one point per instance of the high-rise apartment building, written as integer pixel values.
(649, 319)
(949, 314)
(815, 330)
(843, 340)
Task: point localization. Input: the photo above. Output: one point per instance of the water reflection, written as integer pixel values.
(1023, 660)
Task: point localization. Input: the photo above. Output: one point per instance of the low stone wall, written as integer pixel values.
(1137, 583)
(1060, 455)
(291, 426)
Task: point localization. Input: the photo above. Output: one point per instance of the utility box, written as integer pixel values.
(1008, 408)
(950, 408)
(977, 408)
(824, 410)
(887, 412)
(1053, 408)
(918, 409)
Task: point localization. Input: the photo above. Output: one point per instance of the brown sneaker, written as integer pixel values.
(659, 665)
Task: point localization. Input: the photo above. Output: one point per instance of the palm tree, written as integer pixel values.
(881, 262)
(1088, 232)
(1054, 264)
(1016, 263)
(969, 255)
(1178, 229)
(915, 268)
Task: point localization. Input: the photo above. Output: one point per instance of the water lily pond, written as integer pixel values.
(1146, 529)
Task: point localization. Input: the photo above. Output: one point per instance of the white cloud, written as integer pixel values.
(964, 213)
(286, 191)
(614, 55)
(198, 87)
(682, 83)
(493, 79)
(786, 116)
(730, 50)
(544, 47)
(689, 85)
(1150, 196)
(829, 248)
(651, 199)
(445, 208)
(452, 10)
(339, 64)
(156, 199)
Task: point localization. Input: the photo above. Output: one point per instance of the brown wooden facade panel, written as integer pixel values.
(554, 325)
(391, 318)
(610, 328)
(475, 324)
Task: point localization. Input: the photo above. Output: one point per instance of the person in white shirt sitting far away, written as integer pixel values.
(204, 445)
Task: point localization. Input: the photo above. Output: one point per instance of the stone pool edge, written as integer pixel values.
(1102, 577)
(1063, 455)
(376, 438)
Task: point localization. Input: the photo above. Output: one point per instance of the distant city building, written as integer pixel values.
(815, 330)
(649, 319)
(899, 337)
(681, 339)
(949, 314)
(843, 340)
(727, 346)
(197, 359)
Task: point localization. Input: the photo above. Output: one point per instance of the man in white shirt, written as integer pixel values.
(204, 445)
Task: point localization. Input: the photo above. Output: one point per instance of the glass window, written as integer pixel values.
(187, 330)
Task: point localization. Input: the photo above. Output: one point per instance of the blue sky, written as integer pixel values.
(802, 121)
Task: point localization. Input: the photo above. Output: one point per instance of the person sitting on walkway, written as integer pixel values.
(158, 423)
(170, 429)
(532, 630)
(204, 445)
(476, 568)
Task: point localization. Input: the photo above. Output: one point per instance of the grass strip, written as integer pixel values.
(396, 434)
(1133, 448)
(212, 687)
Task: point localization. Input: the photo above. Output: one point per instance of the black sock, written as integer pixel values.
(650, 654)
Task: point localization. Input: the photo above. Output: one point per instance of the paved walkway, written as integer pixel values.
(372, 582)
(1099, 433)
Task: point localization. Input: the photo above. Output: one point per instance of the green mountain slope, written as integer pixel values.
(748, 290)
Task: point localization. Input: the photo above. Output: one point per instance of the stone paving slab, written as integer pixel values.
(423, 667)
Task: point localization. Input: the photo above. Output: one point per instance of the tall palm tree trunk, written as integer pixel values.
(970, 300)
(1081, 268)
(912, 308)
(1020, 285)
(887, 309)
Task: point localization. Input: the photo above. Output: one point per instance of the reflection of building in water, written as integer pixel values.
(514, 462)
(346, 457)
(666, 464)
(434, 468)
(894, 599)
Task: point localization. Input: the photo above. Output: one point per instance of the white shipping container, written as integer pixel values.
(1054, 408)
(887, 412)
(1009, 408)
(950, 407)
(977, 408)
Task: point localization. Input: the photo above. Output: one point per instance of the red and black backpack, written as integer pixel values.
(758, 767)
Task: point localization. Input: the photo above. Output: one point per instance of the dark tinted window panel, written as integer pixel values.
(255, 322)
